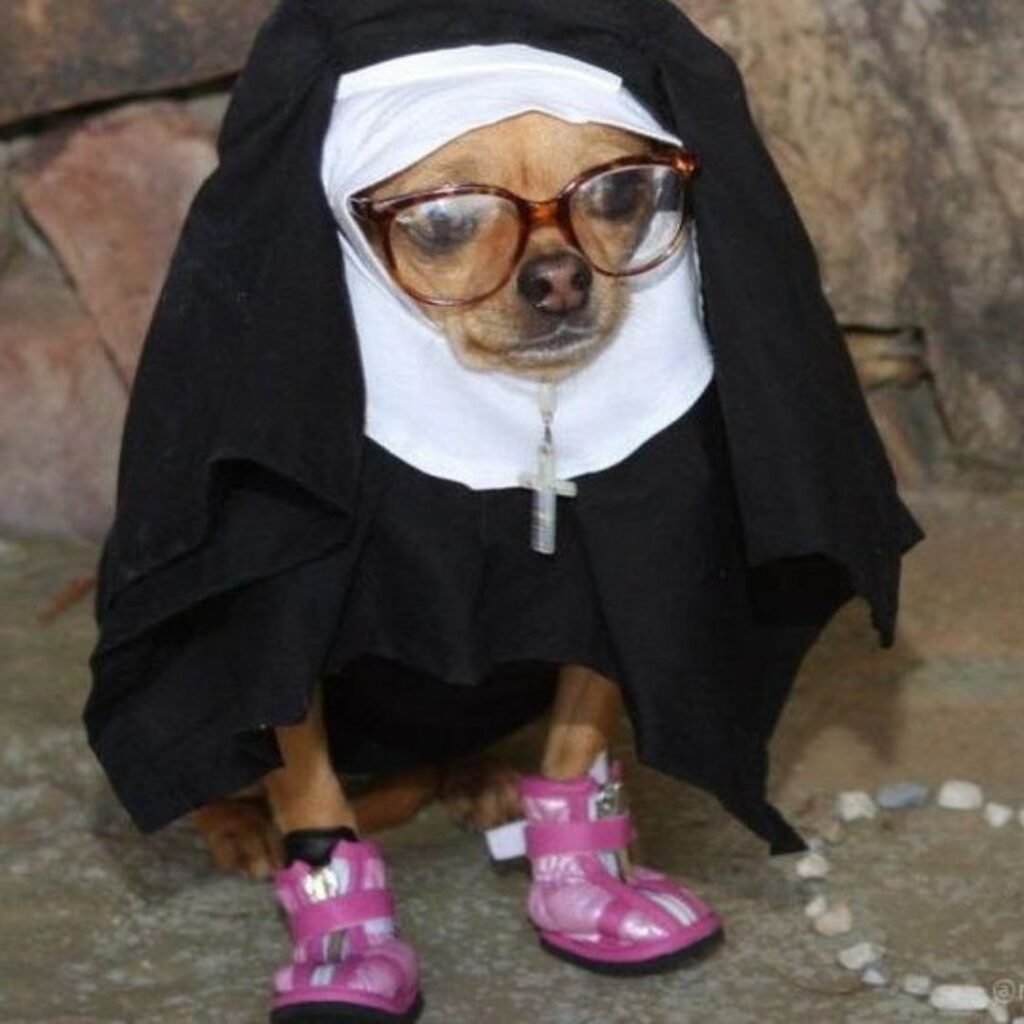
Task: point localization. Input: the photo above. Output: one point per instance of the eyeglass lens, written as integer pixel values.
(461, 247)
(627, 218)
(456, 247)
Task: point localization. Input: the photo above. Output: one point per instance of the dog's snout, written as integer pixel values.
(556, 283)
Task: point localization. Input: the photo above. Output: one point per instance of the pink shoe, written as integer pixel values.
(590, 908)
(347, 964)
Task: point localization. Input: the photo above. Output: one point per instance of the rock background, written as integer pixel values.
(55, 54)
(897, 124)
(111, 195)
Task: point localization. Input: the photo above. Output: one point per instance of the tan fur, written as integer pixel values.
(533, 155)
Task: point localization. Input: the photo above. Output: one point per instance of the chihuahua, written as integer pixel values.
(549, 319)
(516, 239)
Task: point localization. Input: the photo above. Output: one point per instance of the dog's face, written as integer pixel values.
(554, 313)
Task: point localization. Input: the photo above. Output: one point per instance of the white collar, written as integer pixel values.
(481, 428)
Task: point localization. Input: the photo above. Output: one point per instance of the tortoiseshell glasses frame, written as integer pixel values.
(533, 214)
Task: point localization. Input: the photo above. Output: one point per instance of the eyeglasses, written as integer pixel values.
(458, 244)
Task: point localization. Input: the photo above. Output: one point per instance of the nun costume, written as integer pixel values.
(311, 487)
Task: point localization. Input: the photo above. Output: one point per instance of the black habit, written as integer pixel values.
(261, 542)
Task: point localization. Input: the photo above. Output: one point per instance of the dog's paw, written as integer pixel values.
(241, 836)
(481, 792)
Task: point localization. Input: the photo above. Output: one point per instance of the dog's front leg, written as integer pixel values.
(245, 831)
(347, 961)
(590, 903)
(583, 720)
(306, 792)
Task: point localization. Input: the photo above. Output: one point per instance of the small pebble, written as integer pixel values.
(917, 984)
(812, 865)
(959, 997)
(816, 907)
(816, 844)
(874, 975)
(958, 795)
(899, 796)
(837, 920)
(858, 956)
(998, 815)
(854, 805)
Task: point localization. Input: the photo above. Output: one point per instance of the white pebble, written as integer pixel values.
(854, 805)
(959, 997)
(812, 865)
(837, 920)
(816, 907)
(900, 796)
(857, 957)
(998, 815)
(874, 975)
(917, 984)
(958, 795)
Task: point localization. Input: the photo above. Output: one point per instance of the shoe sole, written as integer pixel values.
(343, 1013)
(658, 965)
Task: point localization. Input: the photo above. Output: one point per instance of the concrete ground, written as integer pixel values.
(100, 924)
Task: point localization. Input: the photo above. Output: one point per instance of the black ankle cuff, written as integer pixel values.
(314, 845)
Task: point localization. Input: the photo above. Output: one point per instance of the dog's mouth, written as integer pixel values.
(559, 345)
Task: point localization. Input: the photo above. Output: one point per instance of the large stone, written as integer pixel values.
(55, 54)
(897, 124)
(62, 408)
(111, 194)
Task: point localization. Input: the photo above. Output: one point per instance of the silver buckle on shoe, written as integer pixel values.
(322, 884)
(609, 803)
(611, 799)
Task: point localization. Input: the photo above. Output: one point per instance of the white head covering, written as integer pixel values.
(482, 427)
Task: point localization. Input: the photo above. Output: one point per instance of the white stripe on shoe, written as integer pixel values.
(680, 910)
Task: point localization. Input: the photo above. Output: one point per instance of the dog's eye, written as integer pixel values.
(616, 195)
(439, 227)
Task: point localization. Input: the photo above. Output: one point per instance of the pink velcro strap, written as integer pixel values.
(543, 839)
(314, 919)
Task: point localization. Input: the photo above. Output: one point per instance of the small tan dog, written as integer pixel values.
(549, 318)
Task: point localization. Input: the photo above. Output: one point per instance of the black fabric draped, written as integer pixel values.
(245, 486)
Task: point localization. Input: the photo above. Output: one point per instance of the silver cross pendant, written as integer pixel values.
(547, 489)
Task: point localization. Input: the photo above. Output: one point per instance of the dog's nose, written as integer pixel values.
(557, 283)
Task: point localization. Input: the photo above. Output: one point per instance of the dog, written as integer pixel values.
(516, 240)
(547, 321)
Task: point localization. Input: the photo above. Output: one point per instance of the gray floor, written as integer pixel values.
(100, 924)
